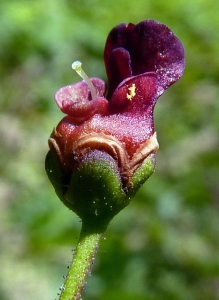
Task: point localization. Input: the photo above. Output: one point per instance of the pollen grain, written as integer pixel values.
(131, 92)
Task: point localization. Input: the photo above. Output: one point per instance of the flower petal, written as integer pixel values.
(75, 100)
(152, 48)
(135, 94)
(120, 68)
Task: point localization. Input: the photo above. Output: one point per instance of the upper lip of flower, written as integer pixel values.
(146, 47)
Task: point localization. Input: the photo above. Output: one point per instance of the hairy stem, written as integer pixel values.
(81, 265)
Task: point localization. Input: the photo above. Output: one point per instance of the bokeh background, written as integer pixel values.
(165, 244)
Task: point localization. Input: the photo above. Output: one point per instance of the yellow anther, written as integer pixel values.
(131, 92)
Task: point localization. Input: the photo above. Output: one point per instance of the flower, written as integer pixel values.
(115, 124)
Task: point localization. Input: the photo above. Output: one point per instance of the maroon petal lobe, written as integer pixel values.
(75, 100)
(135, 94)
(152, 48)
(120, 68)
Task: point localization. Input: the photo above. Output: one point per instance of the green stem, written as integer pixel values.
(81, 265)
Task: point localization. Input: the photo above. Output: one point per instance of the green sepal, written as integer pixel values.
(94, 190)
(56, 177)
(142, 174)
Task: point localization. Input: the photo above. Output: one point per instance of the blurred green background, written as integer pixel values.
(165, 244)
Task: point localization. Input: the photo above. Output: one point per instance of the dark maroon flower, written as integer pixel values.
(141, 62)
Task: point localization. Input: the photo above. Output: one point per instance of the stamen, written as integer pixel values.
(77, 67)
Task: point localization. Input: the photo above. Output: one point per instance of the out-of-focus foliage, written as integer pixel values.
(165, 245)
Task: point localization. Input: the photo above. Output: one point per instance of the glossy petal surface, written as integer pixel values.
(146, 47)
